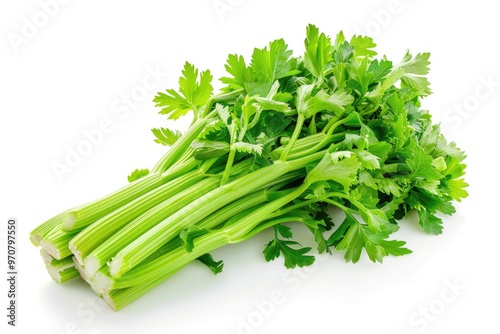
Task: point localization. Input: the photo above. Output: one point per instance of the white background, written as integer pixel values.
(73, 72)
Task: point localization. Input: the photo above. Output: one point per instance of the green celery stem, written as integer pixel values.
(56, 243)
(295, 135)
(197, 210)
(42, 230)
(87, 214)
(112, 245)
(177, 150)
(229, 165)
(65, 275)
(145, 277)
(102, 229)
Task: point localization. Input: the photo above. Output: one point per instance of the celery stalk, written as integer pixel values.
(146, 244)
(107, 249)
(56, 242)
(143, 278)
(87, 214)
(41, 231)
(85, 244)
(63, 270)
(95, 234)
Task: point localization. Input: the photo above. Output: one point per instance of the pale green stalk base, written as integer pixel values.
(40, 232)
(100, 282)
(138, 281)
(63, 271)
(81, 270)
(84, 276)
(117, 299)
(97, 233)
(46, 257)
(56, 243)
(106, 250)
(61, 276)
(133, 230)
(50, 260)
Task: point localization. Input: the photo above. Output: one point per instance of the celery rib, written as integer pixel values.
(95, 234)
(180, 146)
(138, 281)
(99, 256)
(40, 232)
(63, 270)
(107, 249)
(147, 243)
(56, 242)
(87, 214)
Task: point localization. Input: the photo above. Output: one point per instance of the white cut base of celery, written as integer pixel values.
(110, 301)
(102, 282)
(49, 248)
(47, 258)
(95, 289)
(91, 265)
(81, 270)
(35, 239)
(84, 276)
(55, 271)
(77, 254)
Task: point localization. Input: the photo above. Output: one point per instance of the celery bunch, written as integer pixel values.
(285, 140)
